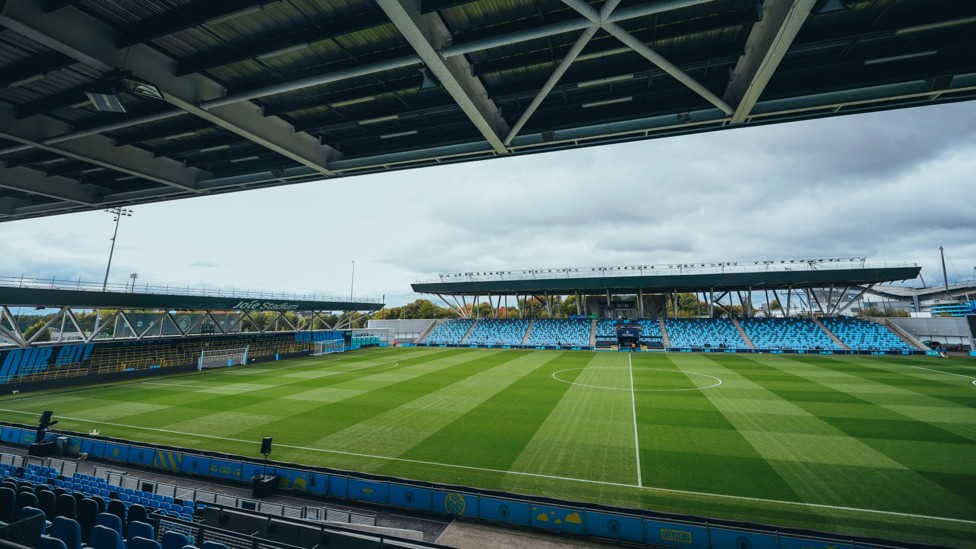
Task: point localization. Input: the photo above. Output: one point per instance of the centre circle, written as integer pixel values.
(716, 381)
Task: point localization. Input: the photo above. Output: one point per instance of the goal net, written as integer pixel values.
(222, 358)
(328, 346)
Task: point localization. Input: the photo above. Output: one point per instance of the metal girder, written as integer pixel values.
(188, 16)
(426, 34)
(98, 150)
(333, 28)
(33, 182)
(641, 48)
(73, 33)
(561, 69)
(34, 67)
(768, 42)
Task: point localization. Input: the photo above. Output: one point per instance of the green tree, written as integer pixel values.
(34, 328)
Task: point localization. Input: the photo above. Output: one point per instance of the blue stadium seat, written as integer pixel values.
(174, 540)
(103, 537)
(491, 331)
(450, 332)
(68, 531)
(48, 542)
(787, 333)
(704, 332)
(562, 332)
(863, 335)
(138, 528)
(140, 542)
(109, 520)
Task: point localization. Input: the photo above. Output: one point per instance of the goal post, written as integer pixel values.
(222, 358)
(328, 346)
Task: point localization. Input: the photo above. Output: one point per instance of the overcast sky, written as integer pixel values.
(892, 186)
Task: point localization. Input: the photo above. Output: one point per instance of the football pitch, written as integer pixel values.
(880, 446)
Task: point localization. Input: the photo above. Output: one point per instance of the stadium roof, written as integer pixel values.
(226, 95)
(666, 279)
(956, 289)
(33, 293)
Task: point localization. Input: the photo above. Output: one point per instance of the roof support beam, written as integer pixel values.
(561, 69)
(98, 150)
(766, 46)
(188, 16)
(59, 188)
(644, 51)
(427, 34)
(73, 33)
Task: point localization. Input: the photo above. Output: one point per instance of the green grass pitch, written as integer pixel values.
(882, 446)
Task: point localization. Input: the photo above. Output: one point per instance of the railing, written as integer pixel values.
(78, 285)
(325, 514)
(198, 533)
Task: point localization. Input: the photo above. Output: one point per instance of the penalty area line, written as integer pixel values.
(524, 474)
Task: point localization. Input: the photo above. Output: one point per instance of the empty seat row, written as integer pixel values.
(491, 331)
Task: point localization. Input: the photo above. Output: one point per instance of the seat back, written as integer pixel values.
(140, 542)
(137, 528)
(26, 499)
(103, 537)
(67, 530)
(136, 512)
(87, 511)
(110, 520)
(8, 504)
(174, 540)
(47, 501)
(66, 506)
(48, 542)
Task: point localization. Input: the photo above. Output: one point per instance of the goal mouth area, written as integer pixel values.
(327, 347)
(222, 358)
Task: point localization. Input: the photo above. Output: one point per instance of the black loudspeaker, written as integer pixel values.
(266, 446)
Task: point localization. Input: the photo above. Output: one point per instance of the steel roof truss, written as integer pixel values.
(646, 52)
(54, 318)
(766, 46)
(91, 42)
(105, 322)
(12, 333)
(427, 34)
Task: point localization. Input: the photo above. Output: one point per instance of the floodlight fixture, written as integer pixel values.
(141, 88)
(104, 99)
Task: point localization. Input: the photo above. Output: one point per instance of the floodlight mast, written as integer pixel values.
(118, 212)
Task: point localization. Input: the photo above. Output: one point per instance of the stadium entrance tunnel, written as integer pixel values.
(639, 380)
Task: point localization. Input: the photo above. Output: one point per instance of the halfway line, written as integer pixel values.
(633, 406)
